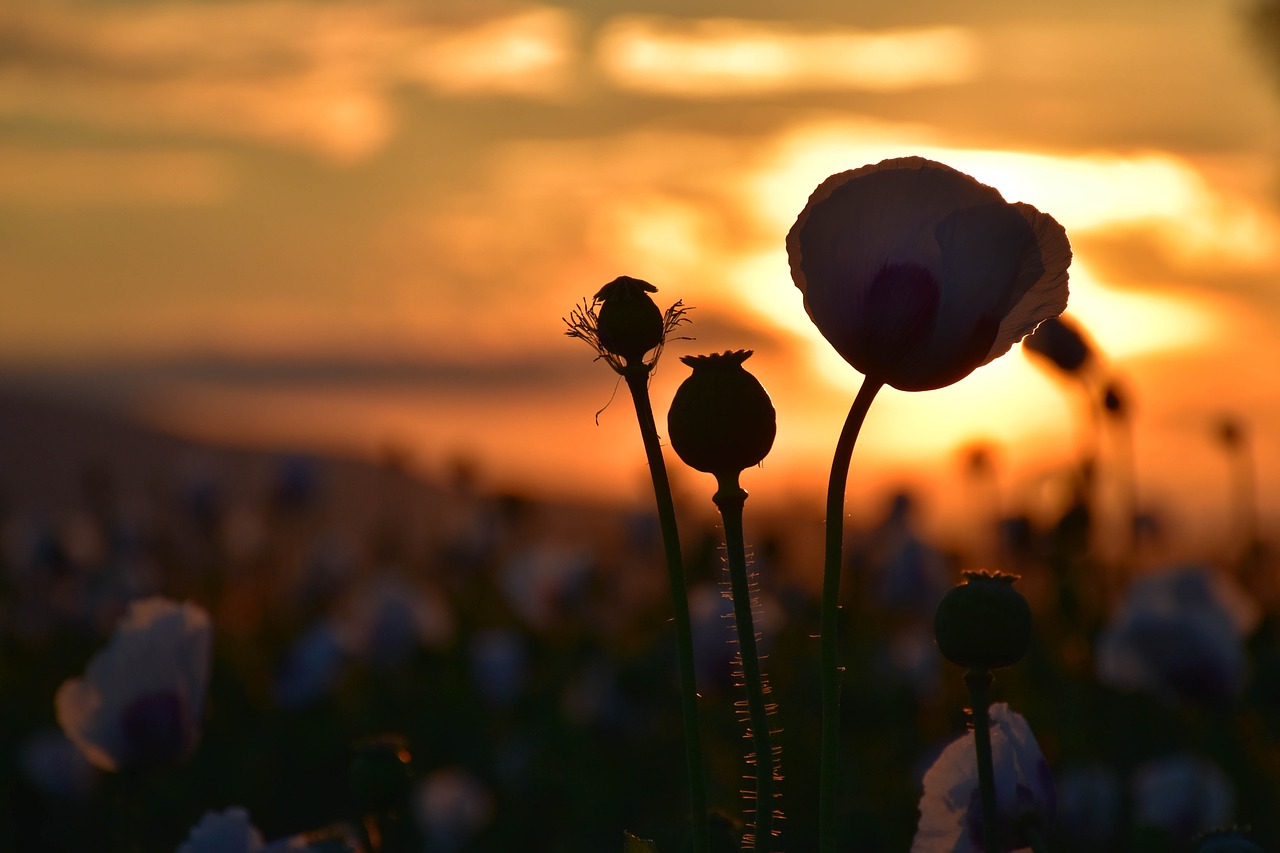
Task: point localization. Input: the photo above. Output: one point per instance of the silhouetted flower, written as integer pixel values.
(1179, 634)
(140, 703)
(917, 274)
(623, 324)
(229, 831)
(721, 419)
(951, 808)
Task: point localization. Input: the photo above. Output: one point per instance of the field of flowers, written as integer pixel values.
(278, 652)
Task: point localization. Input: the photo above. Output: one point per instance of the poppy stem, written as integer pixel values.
(978, 680)
(637, 376)
(829, 649)
(730, 498)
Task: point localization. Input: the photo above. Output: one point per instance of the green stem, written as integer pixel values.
(830, 760)
(730, 498)
(979, 683)
(637, 377)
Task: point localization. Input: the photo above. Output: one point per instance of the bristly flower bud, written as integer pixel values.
(629, 322)
(721, 419)
(623, 323)
(984, 623)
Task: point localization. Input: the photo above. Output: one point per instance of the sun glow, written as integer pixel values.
(1099, 192)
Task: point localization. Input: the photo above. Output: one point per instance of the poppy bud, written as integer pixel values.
(1114, 400)
(630, 322)
(1060, 341)
(984, 623)
(721, 419)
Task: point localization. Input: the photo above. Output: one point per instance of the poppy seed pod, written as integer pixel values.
(629, 322)
(721, 419)
(984, 623)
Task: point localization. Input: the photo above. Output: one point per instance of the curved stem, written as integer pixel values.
(638, 383)
(730, 498)
(979, 683)
(830, 761)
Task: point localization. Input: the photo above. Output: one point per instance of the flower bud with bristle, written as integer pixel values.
(629, 322)
(721, 419)
(623, 325)
(984, 623)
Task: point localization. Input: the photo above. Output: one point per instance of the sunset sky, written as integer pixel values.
(352, 223)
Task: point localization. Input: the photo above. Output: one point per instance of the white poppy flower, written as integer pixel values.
(223, 832)
(140, 703)
(1180, 635)
(951, 808)
(917, 274)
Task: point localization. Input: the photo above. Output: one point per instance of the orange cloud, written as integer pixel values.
(720, 57)
(282, 72)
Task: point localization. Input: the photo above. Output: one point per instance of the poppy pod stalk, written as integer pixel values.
(722, 421)
(917, 274)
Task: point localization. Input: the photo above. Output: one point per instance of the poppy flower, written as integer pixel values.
(917, 273)
(140, 702)
(951, 808)
(1179, 634)
(229, 831)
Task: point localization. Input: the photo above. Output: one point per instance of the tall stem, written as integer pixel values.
(830, 760)
(730, 498)
(637, 377)
(979, 682)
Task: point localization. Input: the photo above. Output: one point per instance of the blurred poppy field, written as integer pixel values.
(520, 650)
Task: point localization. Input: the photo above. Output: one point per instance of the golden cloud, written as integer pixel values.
(725, 57)
(292, 74)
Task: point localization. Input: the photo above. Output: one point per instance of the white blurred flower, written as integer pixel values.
(452, 805)
(56, 766)
(311, 669)
(951, 808)
(1182, 794)
(1180, 635)
(1089, 804)
(140, 703)
(229, 831)
(499, 666)
(388, 618)
(540, 581)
